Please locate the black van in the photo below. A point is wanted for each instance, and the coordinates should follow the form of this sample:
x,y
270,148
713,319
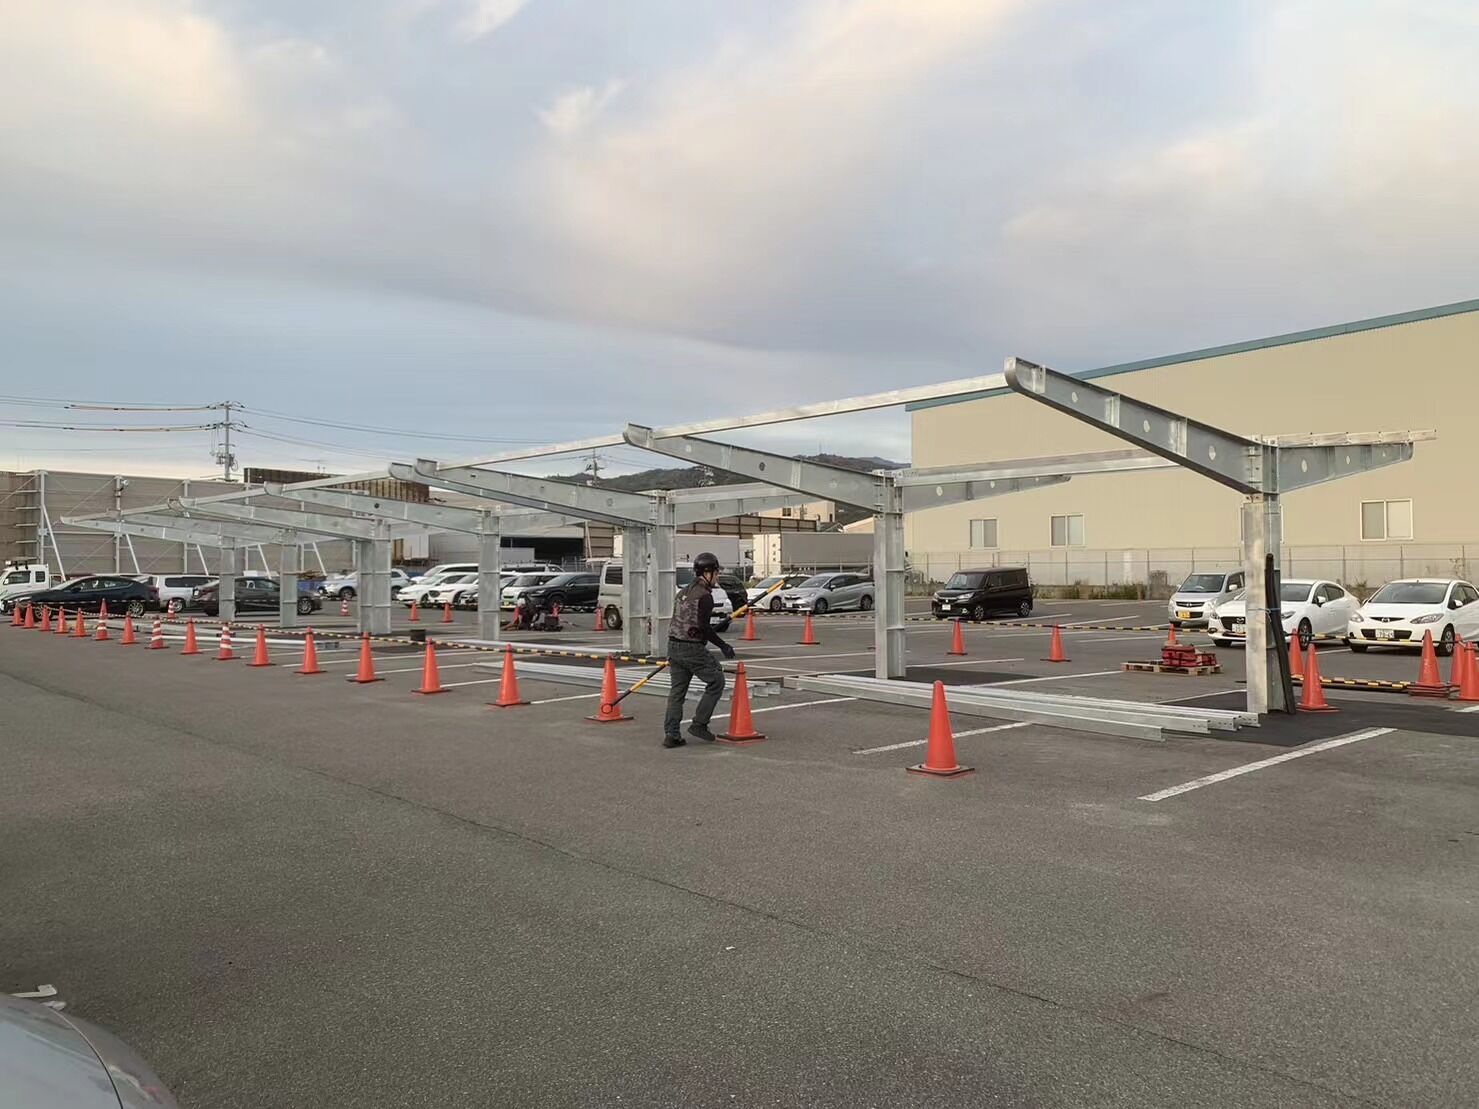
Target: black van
x,y
977,593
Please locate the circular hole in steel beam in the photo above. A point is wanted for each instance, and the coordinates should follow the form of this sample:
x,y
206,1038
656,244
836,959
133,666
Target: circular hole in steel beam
x,y
1211,452
1304,465
761,466
939,490
1145,426
1073,395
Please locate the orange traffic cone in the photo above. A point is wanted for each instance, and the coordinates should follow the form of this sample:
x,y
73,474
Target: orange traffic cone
x,y
600,624
1313,697
939,758
415,614
957,641
1468,689
366,672
1171,635
1460,663
79,629
190,645
61,622
259,656
128,639
310,656
741,728
610,711
224,653
156,636
447,613
508,691
1429,682
1296,657
46,619
343,606
749,636
431,681
808,634
30,620
1055,652
102,633
16,619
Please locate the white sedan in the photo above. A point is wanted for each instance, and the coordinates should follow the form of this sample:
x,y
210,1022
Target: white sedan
x,y
1400,611
512,587
1307,607
450,589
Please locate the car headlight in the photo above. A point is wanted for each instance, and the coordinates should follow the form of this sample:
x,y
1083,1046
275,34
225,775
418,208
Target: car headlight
x,y
1430,618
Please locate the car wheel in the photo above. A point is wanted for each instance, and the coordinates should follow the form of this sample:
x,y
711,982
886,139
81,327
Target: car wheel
x,y
557,599
613,618
819,607
1445,643
978,613
134,608
212,612
775,604
866,604
1306,634
1024,610
1359,648
305,606
346,594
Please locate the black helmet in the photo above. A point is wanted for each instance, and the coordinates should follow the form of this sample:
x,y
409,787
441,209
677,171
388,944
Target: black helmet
x,y
706,562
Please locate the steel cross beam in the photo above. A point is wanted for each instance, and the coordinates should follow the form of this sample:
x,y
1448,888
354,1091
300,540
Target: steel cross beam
x,y
339,527
714,502
1262,468
470,521
564,497
181,529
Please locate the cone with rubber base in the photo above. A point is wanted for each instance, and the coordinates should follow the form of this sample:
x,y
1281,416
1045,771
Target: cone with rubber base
x,y
259,656
1460,662
749,636
957,641
1312,699
1296,657
17,620
1171,640
224,653
600,624
343,606
431,680
128,639
310,657
366,673
1429,682
939,756
610,710
741,728
415,613
191,647
46,619
156,636
447,613
102,632
79,629
808,634
1468,689
1055,649
30,619
508,689
61,622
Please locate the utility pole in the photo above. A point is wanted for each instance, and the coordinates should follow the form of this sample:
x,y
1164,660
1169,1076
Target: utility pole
x,y
224,455
594,469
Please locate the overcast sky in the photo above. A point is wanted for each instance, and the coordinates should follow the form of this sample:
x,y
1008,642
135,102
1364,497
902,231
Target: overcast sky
x,y
535,220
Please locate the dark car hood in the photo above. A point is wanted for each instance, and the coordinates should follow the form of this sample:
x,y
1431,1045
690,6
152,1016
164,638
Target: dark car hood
x,y
951,594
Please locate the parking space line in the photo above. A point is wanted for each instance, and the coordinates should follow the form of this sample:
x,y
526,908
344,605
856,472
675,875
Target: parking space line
x,y
440,666
572,697
969,662
958,735
798,705
1053,678
1199,696
1469,708
794,658
1249,767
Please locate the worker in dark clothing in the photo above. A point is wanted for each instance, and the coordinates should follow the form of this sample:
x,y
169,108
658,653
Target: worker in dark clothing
x,y
688,657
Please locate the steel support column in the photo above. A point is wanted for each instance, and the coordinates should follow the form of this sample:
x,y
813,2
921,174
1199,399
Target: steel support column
x,y
490,586
888,577
226,593
662,573
1263,529
635,592
374,579
290,565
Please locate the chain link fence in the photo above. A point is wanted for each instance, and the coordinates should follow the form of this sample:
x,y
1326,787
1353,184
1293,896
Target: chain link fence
x,y
1156,572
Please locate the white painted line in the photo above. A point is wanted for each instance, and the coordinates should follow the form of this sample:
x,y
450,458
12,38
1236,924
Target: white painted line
x,y
1249,767
798,705
958,735
479,681
794,658
440,666
1125,638
1470,708
1199,696
969,662
1052,678
572,697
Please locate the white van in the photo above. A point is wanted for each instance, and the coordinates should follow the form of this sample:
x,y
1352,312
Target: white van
x,y
608,600
1193,603
21,578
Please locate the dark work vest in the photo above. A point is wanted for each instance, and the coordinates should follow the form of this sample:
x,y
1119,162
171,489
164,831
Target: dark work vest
x,y
685,626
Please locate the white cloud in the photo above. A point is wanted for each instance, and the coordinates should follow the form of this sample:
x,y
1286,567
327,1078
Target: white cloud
x,y
483,17
575,109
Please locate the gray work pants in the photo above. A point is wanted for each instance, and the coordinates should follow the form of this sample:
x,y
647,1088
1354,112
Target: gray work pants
x,y
687,661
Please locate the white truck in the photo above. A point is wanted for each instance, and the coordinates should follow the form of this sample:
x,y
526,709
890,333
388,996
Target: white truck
x,y
19,579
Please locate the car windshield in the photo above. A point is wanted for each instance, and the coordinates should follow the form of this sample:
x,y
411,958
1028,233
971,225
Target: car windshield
x,y
1202,583
770,583
816,582
17,577
527,579
684,576
1411,593
458,579
965,581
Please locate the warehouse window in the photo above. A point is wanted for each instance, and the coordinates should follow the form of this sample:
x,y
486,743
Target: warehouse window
x,y
983,533
1386,519
1068,531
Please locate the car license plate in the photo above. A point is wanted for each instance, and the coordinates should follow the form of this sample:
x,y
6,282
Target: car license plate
x,y
1181,614
1239,625
1385,633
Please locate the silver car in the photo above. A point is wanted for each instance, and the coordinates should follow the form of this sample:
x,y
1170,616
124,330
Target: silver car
x,y
51,1061
830,593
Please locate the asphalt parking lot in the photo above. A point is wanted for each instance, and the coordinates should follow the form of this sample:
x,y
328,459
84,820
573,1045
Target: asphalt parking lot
x,y
289,890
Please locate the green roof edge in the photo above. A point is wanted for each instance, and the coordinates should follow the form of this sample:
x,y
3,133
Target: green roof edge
x,y
1373,324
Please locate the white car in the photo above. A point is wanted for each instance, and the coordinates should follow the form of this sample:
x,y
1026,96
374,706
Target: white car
x,y
176,590
1399,612
345,586
512,587
1308,608
449,590
1194,601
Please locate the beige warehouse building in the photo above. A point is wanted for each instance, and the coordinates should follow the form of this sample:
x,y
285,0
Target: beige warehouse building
x,y
1409,371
